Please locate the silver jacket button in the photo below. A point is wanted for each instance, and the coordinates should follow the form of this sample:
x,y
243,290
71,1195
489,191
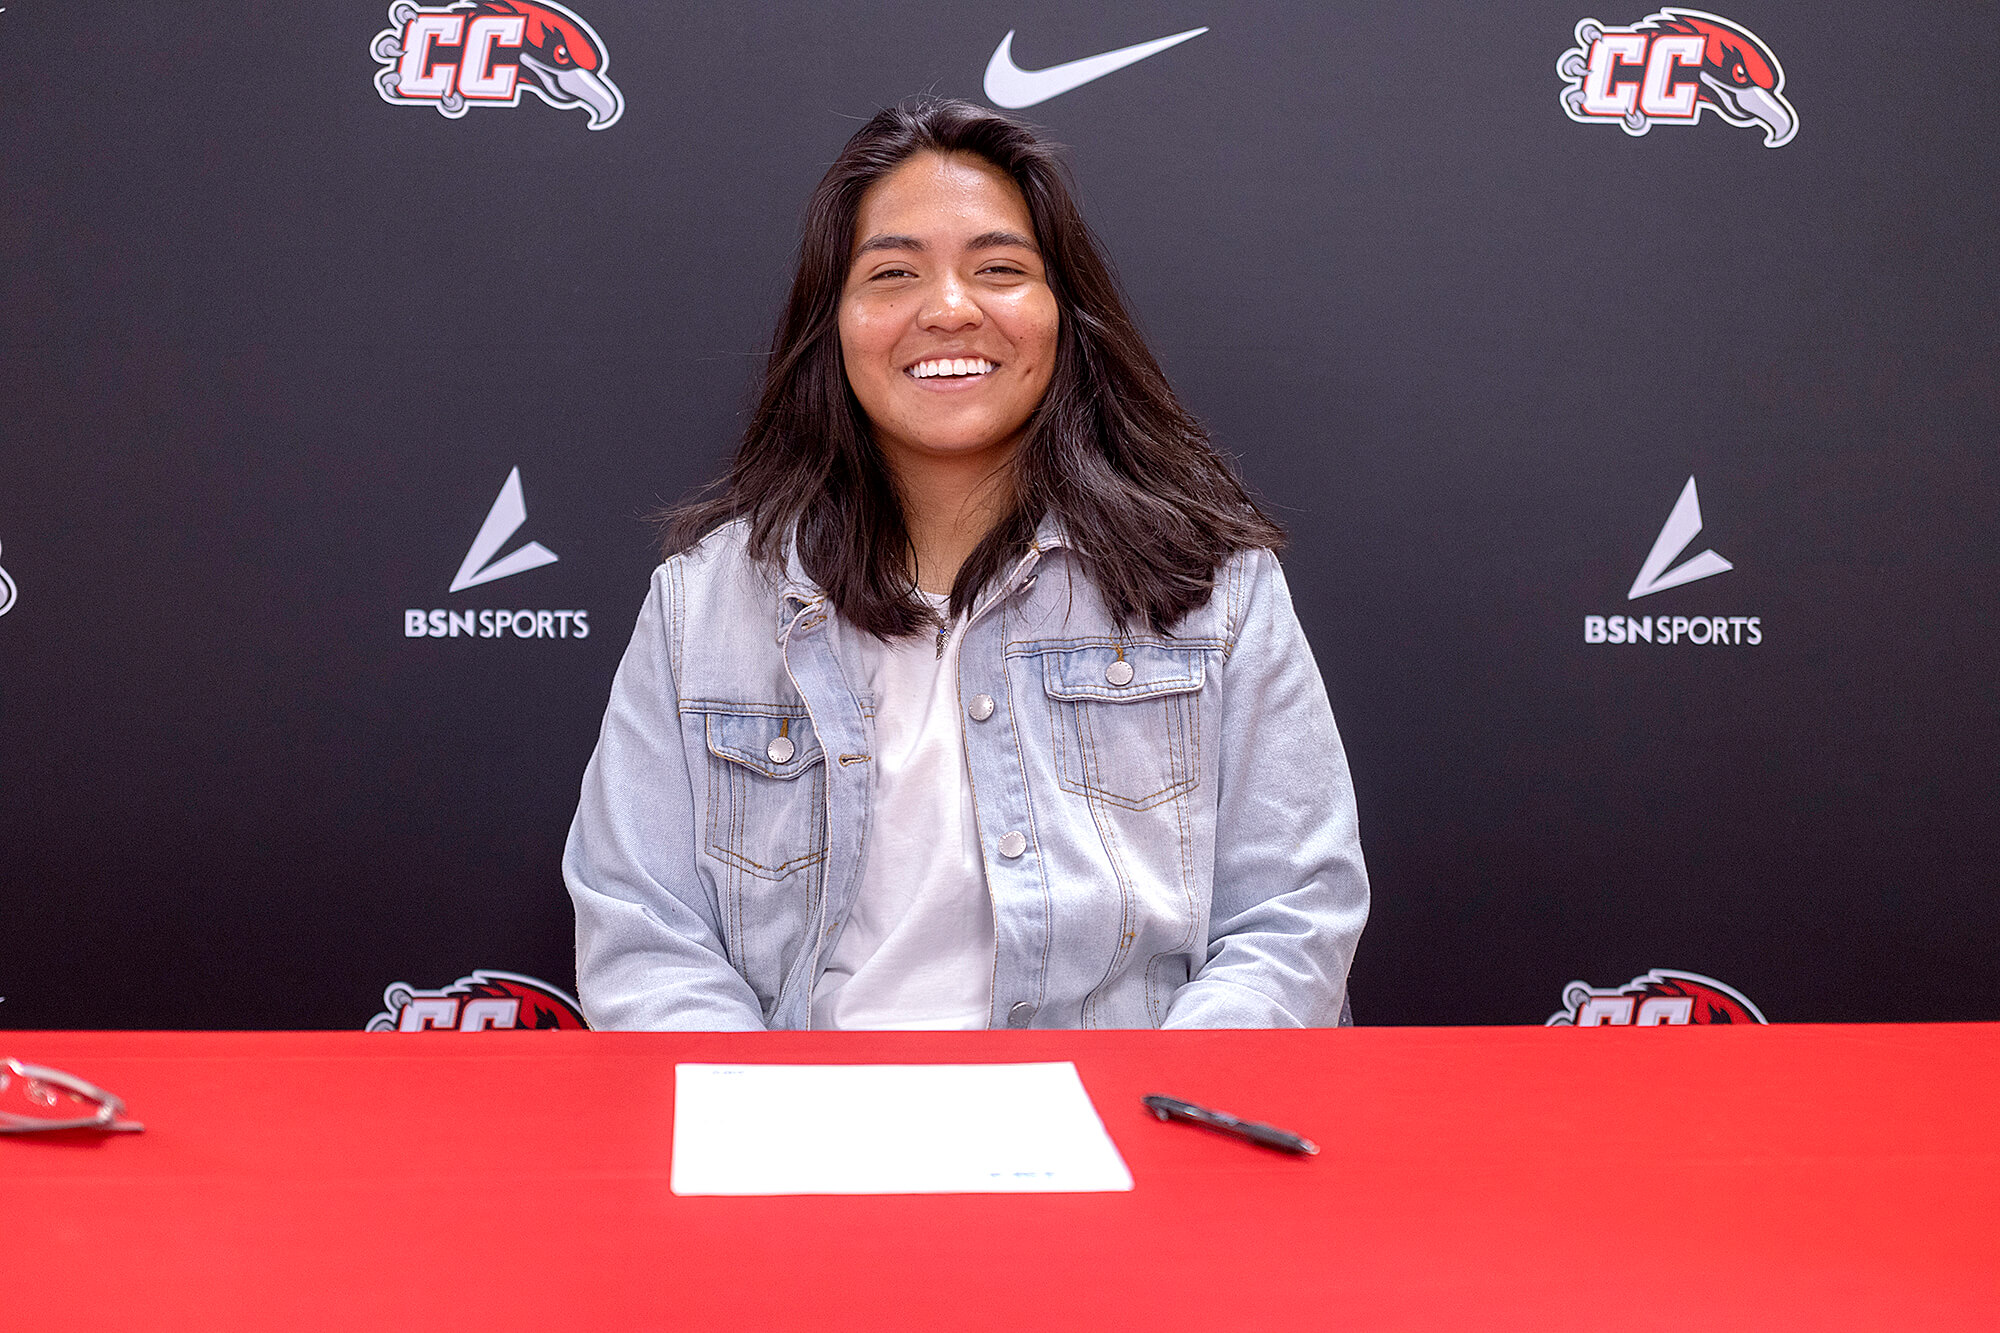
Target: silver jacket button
x,y
1119,672
1021,1015
781,750
982,707
1013,844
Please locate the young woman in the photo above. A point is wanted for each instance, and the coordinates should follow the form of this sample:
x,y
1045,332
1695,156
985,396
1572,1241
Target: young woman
x,y
973,696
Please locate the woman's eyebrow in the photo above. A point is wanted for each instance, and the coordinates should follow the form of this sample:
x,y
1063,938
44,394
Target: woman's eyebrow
x,y
995,240
887,242
986,240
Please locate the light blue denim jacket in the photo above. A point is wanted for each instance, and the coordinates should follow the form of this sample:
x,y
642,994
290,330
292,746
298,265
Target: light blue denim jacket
x,y
1183,844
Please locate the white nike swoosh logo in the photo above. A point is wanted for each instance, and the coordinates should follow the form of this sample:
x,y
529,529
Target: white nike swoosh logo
x,y
1010,86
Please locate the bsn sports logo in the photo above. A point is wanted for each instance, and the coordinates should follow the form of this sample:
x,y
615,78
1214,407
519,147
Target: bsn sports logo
x,y
508,512
1661,998
488,52
484,1001
8,593
1670,67
1681,528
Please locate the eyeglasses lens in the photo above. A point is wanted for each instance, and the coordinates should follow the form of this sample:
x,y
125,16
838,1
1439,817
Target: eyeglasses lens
x,y
27,1102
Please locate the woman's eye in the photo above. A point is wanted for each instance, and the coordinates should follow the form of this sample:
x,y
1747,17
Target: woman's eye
x,y
894,273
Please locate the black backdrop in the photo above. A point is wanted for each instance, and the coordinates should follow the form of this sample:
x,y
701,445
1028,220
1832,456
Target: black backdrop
x,y
272,344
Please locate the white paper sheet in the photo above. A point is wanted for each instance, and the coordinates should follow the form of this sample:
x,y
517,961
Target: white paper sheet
x,y
889,1129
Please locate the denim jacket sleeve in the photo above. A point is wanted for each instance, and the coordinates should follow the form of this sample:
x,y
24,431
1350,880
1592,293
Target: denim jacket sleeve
x,y
649,950
1290,891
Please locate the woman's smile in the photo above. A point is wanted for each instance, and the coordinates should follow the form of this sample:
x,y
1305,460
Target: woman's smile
x,y
951,370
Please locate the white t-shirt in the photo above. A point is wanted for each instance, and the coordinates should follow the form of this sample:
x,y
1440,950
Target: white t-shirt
x,y
917,950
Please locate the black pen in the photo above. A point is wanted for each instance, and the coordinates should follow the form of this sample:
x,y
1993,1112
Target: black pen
x,y
1270,1136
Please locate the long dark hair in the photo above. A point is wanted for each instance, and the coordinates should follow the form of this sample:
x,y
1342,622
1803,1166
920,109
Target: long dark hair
x,y
1148,506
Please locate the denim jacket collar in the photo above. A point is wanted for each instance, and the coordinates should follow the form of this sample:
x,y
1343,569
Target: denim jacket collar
x,y
797,593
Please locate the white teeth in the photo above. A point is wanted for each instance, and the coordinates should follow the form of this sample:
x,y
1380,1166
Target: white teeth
x,y
947,365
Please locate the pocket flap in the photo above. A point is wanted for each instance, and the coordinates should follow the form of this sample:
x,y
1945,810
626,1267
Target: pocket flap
x,y
748,739
1086,673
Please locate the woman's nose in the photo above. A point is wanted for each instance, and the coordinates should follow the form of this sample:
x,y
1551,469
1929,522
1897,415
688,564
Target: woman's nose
x,y
950,307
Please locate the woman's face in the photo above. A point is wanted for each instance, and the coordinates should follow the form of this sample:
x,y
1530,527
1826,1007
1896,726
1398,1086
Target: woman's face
x,y
947,323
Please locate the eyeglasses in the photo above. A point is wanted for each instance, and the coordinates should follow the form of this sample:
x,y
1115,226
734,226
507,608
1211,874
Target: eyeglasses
x,y
35,1099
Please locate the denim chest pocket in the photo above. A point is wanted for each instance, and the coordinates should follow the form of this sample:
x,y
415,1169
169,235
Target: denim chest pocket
x,y
1127,721
767,791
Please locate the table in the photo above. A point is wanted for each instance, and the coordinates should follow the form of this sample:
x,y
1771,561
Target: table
x,y
1498,1178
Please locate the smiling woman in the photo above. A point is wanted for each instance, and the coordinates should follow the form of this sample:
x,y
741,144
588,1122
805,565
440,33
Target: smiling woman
x,y
948,335
972,695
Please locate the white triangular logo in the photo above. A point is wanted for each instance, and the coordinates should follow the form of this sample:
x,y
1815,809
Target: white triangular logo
x,y
1682,525
508,513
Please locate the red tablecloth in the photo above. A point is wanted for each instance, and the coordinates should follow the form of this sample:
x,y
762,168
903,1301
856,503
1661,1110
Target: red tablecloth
x,y
1787,1177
